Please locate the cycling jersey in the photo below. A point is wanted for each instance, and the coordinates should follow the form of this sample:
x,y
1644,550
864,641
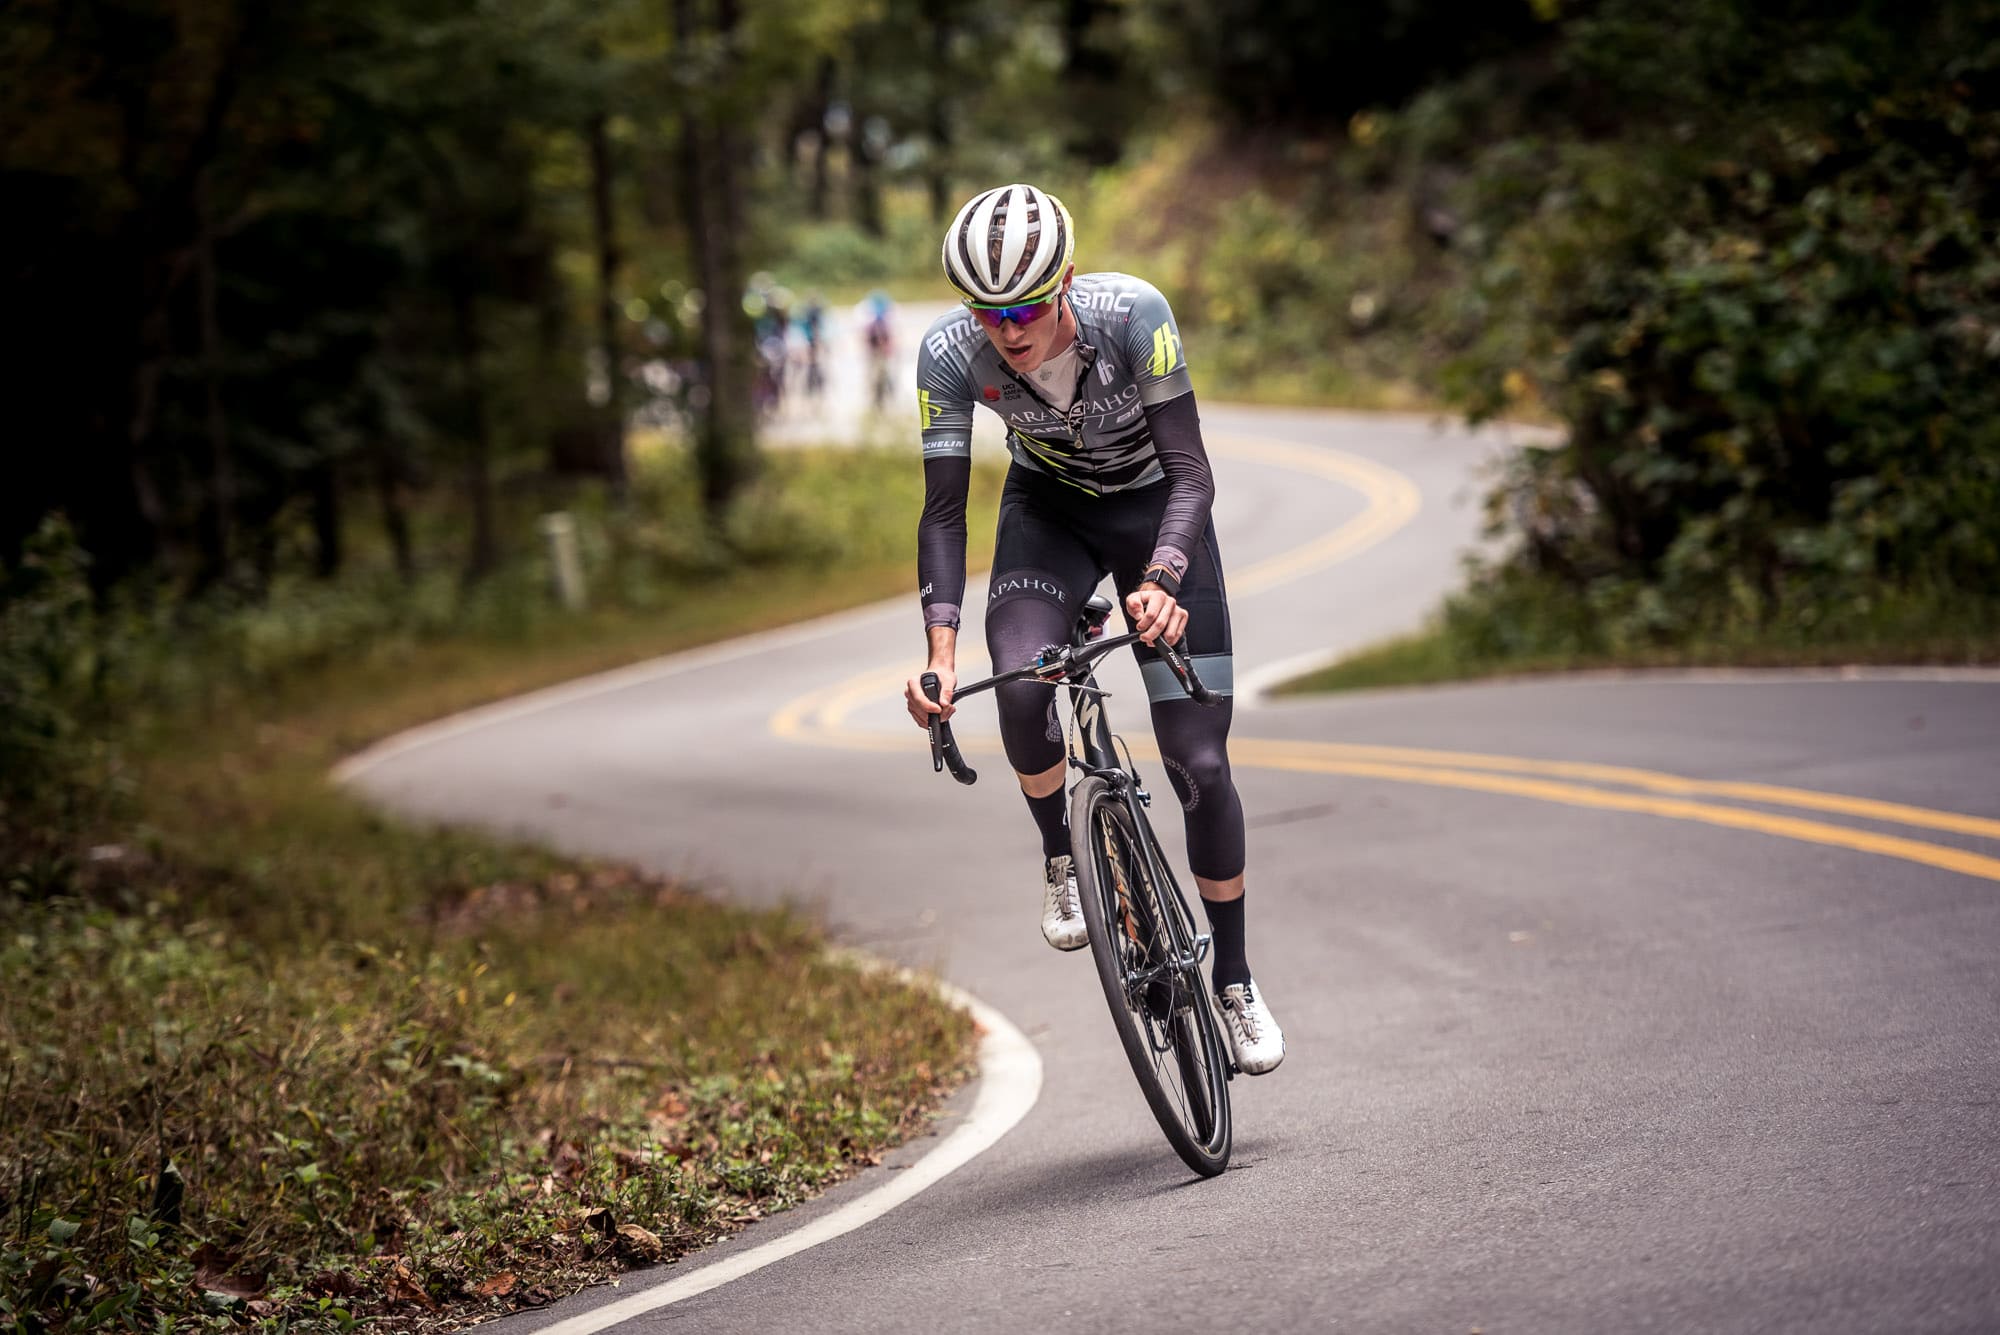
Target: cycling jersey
x,y
1121,430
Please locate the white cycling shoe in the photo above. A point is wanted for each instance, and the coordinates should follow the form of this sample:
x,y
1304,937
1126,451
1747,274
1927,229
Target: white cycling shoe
x,y
1254,1037
1062,912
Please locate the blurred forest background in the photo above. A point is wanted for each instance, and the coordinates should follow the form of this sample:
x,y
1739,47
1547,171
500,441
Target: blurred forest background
x,y
315,307
326,291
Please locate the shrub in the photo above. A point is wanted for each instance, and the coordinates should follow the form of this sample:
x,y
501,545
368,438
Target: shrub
x,y
1773,341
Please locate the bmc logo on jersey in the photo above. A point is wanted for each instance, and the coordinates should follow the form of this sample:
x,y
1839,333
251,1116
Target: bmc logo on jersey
x,y
1113,303
942,341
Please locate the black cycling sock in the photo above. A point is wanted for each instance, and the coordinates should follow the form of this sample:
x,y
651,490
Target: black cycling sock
x,y
1225,920
1051,815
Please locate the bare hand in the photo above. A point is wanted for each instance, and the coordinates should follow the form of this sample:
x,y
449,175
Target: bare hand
x,y
1153,611
921,706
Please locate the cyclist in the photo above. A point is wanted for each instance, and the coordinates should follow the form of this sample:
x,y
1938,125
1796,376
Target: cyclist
x,y
1109,476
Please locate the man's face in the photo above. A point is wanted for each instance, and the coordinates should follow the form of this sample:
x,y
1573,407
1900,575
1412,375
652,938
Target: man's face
x,y
1026,346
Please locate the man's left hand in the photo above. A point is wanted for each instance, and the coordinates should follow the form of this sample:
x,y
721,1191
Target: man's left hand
x,y
1154,612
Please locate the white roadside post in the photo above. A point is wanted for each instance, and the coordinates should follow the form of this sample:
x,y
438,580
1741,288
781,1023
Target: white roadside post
x,y
565,566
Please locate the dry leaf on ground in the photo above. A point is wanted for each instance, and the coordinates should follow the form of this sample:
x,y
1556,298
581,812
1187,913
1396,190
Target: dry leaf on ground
x,y
638,1242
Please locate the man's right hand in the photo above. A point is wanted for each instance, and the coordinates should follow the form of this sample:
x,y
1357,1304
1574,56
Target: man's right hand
x,y
920,706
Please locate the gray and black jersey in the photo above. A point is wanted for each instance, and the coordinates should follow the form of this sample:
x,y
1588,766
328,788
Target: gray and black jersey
x,y
1131,425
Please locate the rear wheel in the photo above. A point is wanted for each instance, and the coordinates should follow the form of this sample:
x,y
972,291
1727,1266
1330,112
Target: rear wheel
x,y
1153,986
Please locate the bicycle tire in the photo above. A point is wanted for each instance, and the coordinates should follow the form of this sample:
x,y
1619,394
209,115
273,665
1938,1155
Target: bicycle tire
x,y
1107,848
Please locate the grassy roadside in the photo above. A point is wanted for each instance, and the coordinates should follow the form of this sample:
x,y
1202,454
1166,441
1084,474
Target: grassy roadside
x,y
276,1061
1476,636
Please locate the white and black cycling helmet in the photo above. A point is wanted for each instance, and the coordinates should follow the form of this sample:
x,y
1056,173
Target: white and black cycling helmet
x,y
1009,246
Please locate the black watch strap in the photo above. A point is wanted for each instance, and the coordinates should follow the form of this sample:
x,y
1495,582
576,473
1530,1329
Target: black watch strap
x,y
1163,577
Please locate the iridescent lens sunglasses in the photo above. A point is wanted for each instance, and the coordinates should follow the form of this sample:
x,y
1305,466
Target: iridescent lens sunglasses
x,y
1025,314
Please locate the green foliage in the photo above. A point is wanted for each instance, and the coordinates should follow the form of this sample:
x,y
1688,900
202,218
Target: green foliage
x,y
275,1061
1772,343
71,662
1743,254
1305,63
843,257
195,1133
47,663
1512,620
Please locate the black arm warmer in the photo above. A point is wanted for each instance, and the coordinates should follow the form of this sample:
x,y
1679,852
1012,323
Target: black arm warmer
x,y
941,538
1176,428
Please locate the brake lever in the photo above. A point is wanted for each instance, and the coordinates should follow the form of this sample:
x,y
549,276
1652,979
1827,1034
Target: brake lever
x,y
944,747
1178,664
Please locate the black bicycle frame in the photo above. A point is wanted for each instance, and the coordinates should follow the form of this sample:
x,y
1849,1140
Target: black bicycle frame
x,y
1100,758
1073,665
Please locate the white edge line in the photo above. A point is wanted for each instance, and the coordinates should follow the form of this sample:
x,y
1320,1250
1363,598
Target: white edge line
x,y
1010,1080
602,683
1255,687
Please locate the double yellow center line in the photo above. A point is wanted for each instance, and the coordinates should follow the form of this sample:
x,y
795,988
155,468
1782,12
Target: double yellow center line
x,y
821,718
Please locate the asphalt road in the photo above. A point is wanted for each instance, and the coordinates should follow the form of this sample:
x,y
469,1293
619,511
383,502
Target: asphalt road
x,y
1602,1013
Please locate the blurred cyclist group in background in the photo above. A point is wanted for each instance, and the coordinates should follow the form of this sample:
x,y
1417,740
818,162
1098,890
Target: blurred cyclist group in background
x,y
792,339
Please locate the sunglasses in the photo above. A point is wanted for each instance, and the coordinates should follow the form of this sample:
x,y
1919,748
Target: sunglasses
x,y
995,316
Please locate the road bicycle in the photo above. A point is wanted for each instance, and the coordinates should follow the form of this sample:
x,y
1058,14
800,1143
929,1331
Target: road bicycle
x,y
1142,936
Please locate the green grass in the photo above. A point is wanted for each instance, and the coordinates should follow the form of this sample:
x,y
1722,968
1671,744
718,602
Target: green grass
x,y
276,1060
1478,638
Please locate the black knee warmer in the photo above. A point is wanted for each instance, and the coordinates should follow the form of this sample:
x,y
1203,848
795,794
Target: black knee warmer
x,y
1194,745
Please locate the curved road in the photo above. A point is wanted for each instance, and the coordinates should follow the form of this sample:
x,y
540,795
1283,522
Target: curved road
x,y
1612,1004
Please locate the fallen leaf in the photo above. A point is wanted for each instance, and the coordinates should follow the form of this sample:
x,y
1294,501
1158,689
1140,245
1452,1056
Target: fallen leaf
x,y
638,1242
596,1218
216,1279
400,1286
499,1286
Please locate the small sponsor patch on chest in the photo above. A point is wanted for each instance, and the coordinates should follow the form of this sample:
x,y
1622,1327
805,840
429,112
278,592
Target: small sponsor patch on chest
x,y
991,393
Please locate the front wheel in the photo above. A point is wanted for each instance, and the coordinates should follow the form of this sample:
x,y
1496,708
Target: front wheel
x,y
1141,941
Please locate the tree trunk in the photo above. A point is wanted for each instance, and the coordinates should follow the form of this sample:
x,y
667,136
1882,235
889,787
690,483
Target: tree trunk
x,y
1091,71
822,138
219,499
867,181
327,549
611,423
395,523
725,443
151,347
164,232
484,552
937,113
